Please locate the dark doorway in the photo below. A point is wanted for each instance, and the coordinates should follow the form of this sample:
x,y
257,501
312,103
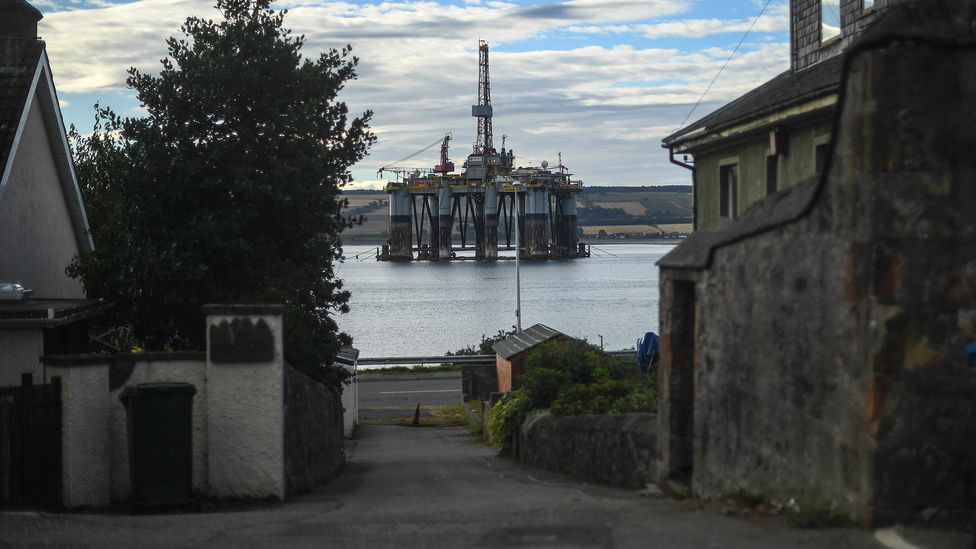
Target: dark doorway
x,y
30,445
682,383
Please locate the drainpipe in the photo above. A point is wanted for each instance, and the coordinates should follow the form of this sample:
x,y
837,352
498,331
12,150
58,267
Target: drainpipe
x,y
694,185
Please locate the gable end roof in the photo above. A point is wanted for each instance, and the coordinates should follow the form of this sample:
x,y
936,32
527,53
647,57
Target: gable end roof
x,y
18,90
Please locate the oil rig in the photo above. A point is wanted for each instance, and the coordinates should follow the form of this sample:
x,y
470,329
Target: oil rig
x,y
427,205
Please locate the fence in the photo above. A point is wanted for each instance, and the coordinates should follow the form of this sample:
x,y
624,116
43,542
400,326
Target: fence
x,y
30,445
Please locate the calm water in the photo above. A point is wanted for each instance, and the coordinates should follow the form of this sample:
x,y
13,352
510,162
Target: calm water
x,y
423,308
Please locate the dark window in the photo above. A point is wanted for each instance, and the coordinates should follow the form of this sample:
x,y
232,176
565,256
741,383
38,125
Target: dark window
x,y
820,157
729,188
772,174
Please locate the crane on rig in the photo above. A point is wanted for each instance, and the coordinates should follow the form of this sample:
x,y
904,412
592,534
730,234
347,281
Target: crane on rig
x,y
445,165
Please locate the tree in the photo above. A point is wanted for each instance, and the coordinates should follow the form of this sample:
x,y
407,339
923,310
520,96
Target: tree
x,y
227,191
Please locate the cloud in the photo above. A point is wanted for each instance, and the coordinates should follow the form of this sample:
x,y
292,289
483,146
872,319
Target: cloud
x,y
605,106
775,19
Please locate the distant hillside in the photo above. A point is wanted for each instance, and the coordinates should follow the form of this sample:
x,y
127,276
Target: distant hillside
x,y
669,204
601,211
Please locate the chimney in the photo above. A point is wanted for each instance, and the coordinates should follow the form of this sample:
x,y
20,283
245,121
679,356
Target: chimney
x,y
18,31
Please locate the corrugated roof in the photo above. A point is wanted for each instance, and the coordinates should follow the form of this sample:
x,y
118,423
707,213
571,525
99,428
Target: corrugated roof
x,y
529,338
348,356
786,89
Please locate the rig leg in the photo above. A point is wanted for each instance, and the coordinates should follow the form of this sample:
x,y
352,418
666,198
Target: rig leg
x,y
491,222
537,223
401,234
445,227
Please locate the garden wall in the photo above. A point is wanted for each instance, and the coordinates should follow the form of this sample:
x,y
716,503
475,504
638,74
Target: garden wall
x,y
614,449
313,433
260,429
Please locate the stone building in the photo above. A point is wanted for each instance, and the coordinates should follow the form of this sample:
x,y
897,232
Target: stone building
x,y
814,351
777,134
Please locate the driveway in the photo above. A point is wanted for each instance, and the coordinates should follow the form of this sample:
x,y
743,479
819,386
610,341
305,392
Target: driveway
x,y
434,487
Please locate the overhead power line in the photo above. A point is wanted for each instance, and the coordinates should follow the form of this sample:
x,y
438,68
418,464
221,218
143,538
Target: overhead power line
x,y
727,61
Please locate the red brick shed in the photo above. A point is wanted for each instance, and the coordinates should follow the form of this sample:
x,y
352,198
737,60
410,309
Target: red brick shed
x,y
510,353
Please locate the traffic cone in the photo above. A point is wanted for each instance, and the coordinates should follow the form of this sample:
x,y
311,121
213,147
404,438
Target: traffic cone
x,y
416,416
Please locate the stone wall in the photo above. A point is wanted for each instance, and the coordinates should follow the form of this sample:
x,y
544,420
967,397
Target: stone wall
x,y
829,324
611,449
313,433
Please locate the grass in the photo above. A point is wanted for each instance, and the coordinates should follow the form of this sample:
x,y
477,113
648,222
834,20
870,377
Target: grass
x,y
452,415
676,227
591,230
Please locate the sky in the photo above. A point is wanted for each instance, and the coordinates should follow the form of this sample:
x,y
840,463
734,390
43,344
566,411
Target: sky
x,y
600,81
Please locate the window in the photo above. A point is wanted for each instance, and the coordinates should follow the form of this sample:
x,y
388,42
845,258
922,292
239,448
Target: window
x,y
868,4
772,174
829,19
728,189
820,157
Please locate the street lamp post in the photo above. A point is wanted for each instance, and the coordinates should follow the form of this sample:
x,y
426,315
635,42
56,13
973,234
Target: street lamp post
x,y
518,281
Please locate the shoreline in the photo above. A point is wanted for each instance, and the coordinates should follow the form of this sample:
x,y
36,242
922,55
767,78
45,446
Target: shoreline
x,y
607,242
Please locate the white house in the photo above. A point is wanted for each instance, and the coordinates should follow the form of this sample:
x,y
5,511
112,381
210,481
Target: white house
x,y
42,218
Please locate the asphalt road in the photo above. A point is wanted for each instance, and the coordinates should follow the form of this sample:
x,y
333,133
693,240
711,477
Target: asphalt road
x,y
386,397
432,488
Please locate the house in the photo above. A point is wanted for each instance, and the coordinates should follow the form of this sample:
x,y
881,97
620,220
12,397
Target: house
x,y
814,352
510,354
42,218
777,134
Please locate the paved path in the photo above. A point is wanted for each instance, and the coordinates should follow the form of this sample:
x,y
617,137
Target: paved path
x,y
427,487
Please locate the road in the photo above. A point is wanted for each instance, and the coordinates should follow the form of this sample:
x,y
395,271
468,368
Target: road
x,y
383,396
437,487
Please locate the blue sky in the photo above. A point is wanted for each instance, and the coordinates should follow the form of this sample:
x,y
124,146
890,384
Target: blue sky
x,y
601,81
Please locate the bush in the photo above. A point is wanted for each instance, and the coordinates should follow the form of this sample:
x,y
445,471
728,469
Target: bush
x,y
504,419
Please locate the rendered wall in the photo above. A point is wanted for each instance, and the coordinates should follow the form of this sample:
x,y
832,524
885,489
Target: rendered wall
x,y
795,166
245,411
239,415
86,445
19,350
153,370
37,238
350,404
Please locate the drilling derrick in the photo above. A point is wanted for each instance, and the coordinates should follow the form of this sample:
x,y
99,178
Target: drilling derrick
x,y
482,110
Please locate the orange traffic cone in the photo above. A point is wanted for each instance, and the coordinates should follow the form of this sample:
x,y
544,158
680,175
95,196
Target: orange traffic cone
x,y
416,416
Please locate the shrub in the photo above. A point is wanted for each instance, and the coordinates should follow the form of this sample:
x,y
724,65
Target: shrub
x,y
505,417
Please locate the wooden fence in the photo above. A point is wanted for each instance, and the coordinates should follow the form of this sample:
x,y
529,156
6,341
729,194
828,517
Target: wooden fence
x,y
30,445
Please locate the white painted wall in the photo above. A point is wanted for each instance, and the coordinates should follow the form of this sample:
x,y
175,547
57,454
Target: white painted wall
x,y
37,238
246,421
19,353
85,439
169,371
350,403
238,425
